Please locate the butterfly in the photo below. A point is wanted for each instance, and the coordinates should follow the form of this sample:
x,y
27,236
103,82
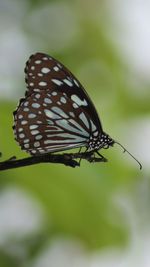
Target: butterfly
x,y
56,113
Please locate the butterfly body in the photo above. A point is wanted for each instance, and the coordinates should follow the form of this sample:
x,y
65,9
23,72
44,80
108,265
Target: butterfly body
x,y
56,113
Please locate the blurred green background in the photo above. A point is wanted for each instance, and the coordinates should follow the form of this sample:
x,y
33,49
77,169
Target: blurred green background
x,y
98,214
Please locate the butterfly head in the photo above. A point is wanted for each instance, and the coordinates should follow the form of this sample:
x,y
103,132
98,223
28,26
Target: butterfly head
x,y
102,141
105,141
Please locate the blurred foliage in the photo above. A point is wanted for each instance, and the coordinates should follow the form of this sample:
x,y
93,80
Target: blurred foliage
x,y
73,198
79,203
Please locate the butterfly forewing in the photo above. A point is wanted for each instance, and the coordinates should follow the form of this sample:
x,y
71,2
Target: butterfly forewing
x,y
56,113
44,72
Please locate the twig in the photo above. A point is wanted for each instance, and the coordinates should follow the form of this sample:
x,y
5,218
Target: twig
x,y
66,159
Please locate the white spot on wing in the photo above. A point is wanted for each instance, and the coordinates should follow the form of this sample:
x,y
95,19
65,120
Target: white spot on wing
x,y
38,62
96,133
72,114
58,82
21,135
35,105
36,144
50,123
69,83
37,95
60,112
59,65
78,101
26,145
76,83
31,115
63,100
31,84
45,58
45,70
54,93
42,83
51,114
26,109
75,105
33,151
26,103
20,117
24,122
56,68
26,141
32,127
38,137
47,100
36,90
84,120
20,130
93,126
34,132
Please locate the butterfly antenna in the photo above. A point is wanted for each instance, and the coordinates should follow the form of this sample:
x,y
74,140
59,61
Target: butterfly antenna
x,y
125,150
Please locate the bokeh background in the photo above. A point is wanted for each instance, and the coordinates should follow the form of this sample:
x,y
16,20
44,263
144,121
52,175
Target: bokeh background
x,y
98,214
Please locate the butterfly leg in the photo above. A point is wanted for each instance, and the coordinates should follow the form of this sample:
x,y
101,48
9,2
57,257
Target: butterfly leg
x,y
92,157
79,153
102,158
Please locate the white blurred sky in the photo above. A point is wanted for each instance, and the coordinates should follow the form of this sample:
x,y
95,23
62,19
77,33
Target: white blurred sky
x,y
131,32
20,215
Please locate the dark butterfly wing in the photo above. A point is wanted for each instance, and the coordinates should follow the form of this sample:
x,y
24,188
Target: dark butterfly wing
x,y
56,113
44,72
